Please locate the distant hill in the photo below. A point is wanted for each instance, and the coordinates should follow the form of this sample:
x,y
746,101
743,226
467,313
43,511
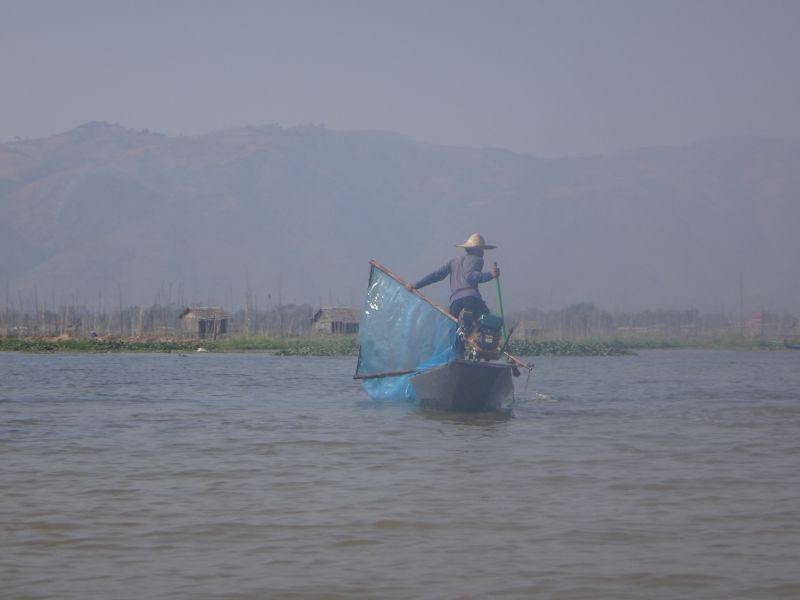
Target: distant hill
x,y
293,215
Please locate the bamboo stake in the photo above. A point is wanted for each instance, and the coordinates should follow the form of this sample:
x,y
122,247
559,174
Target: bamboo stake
x,y
387,374
414,291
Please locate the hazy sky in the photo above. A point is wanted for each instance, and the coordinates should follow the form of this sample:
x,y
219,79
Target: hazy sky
x,y
546,78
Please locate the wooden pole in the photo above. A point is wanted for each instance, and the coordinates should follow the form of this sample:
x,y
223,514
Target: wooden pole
x,y
414,291
387,374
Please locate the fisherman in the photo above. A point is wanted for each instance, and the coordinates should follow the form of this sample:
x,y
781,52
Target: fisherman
x,y
466,272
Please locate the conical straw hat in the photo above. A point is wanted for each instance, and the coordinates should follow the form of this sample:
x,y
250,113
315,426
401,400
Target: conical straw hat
x,y
476,241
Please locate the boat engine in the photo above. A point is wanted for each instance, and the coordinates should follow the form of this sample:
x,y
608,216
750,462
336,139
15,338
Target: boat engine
x,y
481,338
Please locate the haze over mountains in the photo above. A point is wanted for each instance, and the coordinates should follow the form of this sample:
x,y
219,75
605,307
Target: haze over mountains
x,y
296,214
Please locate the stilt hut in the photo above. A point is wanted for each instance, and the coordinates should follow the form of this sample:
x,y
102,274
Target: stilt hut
x,y
336,320
205,322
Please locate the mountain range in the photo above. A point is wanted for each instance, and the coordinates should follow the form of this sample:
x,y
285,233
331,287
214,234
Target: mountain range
x,y
102,212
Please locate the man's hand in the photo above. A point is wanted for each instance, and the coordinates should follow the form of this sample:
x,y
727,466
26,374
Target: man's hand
x,y
410,287
495,271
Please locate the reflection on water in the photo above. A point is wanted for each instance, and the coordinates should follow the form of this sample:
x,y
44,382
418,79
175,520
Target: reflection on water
x,y
487,420
667,475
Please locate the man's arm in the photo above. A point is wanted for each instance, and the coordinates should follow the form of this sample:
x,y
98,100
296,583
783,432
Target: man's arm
x,y
475,277
437,275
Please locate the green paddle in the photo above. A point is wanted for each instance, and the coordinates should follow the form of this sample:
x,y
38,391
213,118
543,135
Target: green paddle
x,y
503,335
500,307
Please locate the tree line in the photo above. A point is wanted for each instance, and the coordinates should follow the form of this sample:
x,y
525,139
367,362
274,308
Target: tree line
x,y
574,323
155,321
585,321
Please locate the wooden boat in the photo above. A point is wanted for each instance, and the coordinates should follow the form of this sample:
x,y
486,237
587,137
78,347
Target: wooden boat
x,y
464,386
407,350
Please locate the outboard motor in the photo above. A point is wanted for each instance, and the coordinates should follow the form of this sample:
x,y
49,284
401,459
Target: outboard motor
x,y
480,339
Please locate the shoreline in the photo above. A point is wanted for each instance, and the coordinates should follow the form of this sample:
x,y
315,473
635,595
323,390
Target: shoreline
x,y
348,345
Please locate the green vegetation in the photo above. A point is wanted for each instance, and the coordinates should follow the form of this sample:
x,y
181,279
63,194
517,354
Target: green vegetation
x,y
720,342
332,346
93,345
525,348
348,345
621,347
340,345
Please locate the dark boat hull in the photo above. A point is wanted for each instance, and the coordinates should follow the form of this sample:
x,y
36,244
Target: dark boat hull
x,y
464,386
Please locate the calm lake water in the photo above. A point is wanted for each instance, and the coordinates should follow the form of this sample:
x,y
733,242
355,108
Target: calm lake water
x,y
672,474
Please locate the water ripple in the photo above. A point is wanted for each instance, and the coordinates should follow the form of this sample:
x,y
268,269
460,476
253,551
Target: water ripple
x,y
665,475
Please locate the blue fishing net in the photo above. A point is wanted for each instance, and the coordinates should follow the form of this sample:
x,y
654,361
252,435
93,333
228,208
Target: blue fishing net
x,y
399,333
